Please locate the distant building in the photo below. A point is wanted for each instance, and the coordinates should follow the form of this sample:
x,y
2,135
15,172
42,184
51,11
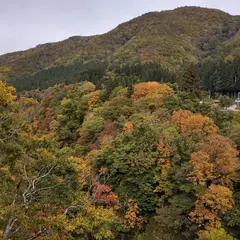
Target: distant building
x,y
237,100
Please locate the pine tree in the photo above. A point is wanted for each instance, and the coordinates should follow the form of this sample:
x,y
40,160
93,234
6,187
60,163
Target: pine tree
x,y
189,80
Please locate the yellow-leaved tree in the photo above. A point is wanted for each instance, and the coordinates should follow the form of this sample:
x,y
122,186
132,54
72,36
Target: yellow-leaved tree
x,y
153,92
188,122
215,161
216,200
6,95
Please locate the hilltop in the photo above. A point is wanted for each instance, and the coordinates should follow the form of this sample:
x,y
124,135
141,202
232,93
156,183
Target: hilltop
x,y
169,38
115,136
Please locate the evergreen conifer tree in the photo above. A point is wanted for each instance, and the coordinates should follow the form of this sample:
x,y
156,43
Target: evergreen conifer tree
x,y
189,80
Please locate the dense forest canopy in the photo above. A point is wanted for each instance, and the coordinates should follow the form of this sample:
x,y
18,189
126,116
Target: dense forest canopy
x,y
145,161
115,136
216,75
168,39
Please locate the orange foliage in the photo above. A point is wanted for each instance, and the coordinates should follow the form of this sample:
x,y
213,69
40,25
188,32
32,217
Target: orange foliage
x,y
128,128
45,124
48,99
203,168
164,148
216,160
153,91
216,200
164,165
103,170
94,99
144,88
109,132
132,218
188,122
103,194
76,159
60,180
112,200
34,125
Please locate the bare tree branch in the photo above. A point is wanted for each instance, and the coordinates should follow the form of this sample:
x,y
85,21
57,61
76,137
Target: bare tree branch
x,y
32,189
8,230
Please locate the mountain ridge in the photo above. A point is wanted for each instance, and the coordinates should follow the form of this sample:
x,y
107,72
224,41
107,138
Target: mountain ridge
x,y
169,38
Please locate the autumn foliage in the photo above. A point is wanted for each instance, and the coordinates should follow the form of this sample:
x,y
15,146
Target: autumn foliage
x,y
86,164
132,218
214,162
153,91
94,99
103,193
6,94
213,166
209,205
188,122
164,148
128,128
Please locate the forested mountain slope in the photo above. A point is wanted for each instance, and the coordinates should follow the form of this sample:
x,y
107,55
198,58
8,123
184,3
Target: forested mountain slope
x,y
231,49
147,162
113,136
169,38
43,56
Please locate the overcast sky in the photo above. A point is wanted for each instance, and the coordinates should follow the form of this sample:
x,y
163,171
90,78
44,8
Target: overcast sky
x,y
26,23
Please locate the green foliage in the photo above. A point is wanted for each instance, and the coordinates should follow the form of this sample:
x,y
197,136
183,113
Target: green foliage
x,y
130,166
119,91
189,80
75,101
225,101
115,148
114,109
148,155
167,223
219,75
95,222
169,38
218,234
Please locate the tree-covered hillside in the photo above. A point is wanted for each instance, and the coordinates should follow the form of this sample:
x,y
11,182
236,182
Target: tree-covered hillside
x,y
168,38
25,63
146,161
115,137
